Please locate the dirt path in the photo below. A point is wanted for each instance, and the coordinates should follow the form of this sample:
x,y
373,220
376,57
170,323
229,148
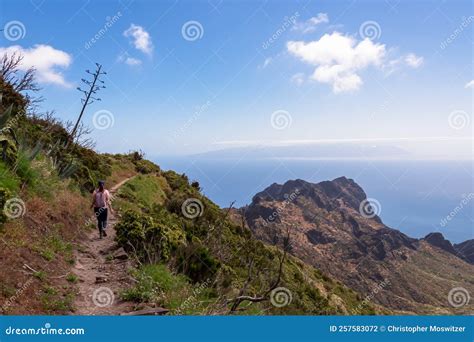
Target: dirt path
x,y
102,272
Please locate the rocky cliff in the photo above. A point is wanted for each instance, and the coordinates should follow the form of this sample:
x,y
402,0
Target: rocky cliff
x,y
336,228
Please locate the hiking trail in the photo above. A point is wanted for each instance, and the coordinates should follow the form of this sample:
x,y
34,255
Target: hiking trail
x,y
102,270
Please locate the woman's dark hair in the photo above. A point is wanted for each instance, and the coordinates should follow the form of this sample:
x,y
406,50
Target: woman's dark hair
x,y
101,184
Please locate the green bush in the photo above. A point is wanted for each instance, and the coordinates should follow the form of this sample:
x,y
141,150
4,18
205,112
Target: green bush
x,y
196,261
176,181
8,180
4,196
144,191
156,284
152,281
146,167
151,238
24,169
70,160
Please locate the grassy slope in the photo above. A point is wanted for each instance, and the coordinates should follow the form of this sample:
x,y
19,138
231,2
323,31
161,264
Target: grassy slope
x,y
43,240
196,263
56,216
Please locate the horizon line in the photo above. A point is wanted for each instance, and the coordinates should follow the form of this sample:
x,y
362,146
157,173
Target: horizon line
x,y
335,141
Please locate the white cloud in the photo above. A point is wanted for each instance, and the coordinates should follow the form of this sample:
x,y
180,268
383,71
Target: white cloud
x,y
141,38
320,18
469,84
267,62
45,59
132,61
125,58
338,59
413,60
298,79
310,25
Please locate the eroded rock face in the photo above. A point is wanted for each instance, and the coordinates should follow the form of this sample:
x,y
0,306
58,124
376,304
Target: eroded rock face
x,y
438,240
466,249
329,231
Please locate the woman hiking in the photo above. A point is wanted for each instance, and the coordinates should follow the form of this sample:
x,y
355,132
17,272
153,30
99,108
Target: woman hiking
x,y
101,203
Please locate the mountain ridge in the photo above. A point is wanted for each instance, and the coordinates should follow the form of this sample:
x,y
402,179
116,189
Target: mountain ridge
x,y
336,227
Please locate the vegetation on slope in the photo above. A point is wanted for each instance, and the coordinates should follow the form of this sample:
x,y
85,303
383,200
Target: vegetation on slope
x,y
192,258
44,200
204,250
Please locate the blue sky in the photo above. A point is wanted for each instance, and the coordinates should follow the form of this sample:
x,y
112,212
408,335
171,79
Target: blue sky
x,y
257,72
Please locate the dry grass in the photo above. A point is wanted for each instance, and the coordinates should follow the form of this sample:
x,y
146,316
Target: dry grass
x,y
44,240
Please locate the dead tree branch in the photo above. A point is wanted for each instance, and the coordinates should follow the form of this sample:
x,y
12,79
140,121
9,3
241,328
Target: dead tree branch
x,y
242,297
89,94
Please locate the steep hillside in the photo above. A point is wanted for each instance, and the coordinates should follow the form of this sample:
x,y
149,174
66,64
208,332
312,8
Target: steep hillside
x,y
46,219
187,244
336,230
191,257
466,249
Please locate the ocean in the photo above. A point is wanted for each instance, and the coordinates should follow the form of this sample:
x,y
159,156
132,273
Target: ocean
x,y
416,197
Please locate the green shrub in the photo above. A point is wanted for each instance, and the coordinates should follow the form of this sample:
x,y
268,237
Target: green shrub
x,y
176,181
71,161
72,278
144,191
8,180
152,281
4,196
151,238
8,146
41,275
24,169
156,284
54,301
146,167
196,261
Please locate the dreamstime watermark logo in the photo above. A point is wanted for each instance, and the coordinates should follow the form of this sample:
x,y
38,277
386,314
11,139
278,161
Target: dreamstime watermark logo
x,y
109,22
287,23
47,329
459,119
14,208
370,29
102,297
280,297
281,119
458,297
370,207
452,37
192,208
379,287
192,300
192,30
463,203
14,30
103,119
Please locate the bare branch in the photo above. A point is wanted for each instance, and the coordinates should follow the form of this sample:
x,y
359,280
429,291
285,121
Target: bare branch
x,y
88,99
263,296
10,72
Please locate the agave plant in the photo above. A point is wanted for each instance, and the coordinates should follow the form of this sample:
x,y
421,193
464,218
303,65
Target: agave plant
x,y
8,140
5,117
